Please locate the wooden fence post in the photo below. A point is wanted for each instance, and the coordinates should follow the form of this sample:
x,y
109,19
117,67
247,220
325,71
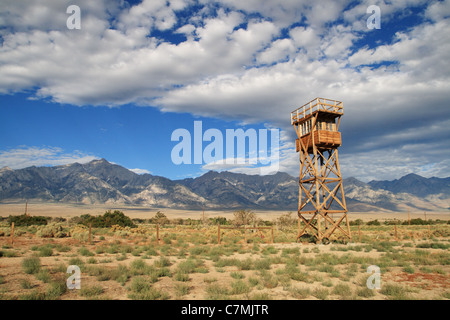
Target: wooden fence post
x,y
395,231
272,234
90,232
245,235
218,234
359,232
157,233
12,233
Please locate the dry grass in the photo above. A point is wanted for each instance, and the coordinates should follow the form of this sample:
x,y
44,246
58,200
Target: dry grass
x,y
187,263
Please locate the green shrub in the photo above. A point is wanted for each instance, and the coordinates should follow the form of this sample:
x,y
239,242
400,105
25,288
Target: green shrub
x,y
25,284
268,279
56,289
76,262
321,294
181,289
45,251
433,245
409,269
138,266
120,274
357,222
26,220
246,264
227,262
85,252
181,276
52,230
253,281
269,250
9,254
239,287
91,260
159,218
237,275
139,284
342,290
61,248
141,289
91,291
31,265
374,223
417,221
34,295
365,293
394,291
162,262
262,264
216,291
300,293
107,220
43,275
261,296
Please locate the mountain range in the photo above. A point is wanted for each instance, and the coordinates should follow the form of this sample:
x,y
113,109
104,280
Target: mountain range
x,y
102,182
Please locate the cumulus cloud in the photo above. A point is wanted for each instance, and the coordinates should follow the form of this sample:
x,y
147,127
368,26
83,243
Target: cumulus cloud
x,y
24,156
140,171
270,160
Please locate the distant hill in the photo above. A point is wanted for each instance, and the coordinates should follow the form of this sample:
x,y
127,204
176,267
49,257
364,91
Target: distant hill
x,y
95,182
101,182
416,185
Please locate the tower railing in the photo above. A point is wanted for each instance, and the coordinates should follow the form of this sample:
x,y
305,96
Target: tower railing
x,y
317,104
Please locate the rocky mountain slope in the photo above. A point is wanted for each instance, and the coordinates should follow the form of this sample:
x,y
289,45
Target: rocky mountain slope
x,y
100,181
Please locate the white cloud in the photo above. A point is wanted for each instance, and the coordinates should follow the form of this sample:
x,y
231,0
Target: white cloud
x,y
140,171
259,163
23,157
438,10
305,37
393,163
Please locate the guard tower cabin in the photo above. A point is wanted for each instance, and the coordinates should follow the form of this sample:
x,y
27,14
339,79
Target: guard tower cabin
x,y
321,194
317,123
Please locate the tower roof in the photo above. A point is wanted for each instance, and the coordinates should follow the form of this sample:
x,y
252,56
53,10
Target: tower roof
x,y
333,108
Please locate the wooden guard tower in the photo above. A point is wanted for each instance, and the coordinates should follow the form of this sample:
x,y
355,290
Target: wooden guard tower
x,y
321,206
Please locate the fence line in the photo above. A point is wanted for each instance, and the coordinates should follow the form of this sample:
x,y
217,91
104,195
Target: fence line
x,y
394,232
219,228
12,233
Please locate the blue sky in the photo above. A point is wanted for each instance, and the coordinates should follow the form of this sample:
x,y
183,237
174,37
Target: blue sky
x,y
137,70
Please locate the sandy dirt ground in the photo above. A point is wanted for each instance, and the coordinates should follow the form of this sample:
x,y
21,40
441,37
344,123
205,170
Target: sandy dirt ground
x,y
423,285
430,280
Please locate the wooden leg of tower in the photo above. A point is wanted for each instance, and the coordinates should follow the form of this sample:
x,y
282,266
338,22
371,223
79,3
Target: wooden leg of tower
x,y
319,234
307,223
